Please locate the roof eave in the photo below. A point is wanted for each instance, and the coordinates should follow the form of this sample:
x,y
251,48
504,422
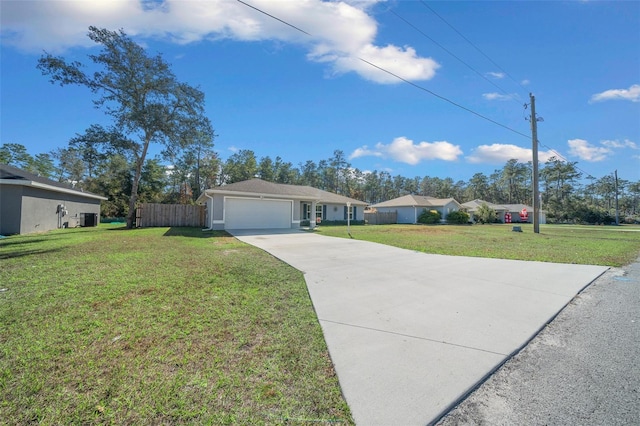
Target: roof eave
x,y
317,198
18,182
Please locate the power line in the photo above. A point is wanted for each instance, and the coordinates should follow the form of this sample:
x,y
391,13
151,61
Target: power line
x,y
589,175
400,78
447,100
275,17
557,154
473,45
561,157
451,53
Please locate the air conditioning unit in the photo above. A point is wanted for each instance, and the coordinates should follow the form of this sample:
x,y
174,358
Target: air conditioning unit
x,y
88,219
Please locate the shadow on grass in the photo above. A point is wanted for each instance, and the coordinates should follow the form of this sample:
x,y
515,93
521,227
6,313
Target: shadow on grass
x,y
22,253
21,241
179,231
35,238
193,233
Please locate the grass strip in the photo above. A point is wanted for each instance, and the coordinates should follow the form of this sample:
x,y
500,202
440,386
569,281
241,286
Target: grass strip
x,y
587,245
158,326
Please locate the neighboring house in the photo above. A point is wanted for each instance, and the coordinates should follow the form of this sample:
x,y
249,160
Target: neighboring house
x,y
258,204
501,209
472,207
409,207
515,210
31,203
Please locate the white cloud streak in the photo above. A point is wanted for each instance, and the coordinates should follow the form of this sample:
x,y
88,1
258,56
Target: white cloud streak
x,y
501,153
617,144
404,150
342,32
494,96
496,75
631,94
586,151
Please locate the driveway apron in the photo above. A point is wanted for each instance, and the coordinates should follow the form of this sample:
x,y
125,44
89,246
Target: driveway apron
x,y
410,333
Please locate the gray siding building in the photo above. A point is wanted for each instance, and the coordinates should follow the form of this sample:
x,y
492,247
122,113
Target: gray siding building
x,y
31,203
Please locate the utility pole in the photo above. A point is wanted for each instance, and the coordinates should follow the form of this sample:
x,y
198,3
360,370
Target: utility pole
x,y
534,143
616,188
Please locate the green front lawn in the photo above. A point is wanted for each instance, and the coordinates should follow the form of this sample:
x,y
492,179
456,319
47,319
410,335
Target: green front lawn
x,y
589,245
158,326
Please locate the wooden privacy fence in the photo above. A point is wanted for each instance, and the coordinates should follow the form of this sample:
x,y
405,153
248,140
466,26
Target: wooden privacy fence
x,y
151,214
381,218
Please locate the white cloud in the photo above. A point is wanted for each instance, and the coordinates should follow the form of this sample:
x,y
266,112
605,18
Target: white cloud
x,y
498,97
364,151
631,94
587,152
525,82
405,150
617,144
496,75
341,32
402,62
233,149
501,153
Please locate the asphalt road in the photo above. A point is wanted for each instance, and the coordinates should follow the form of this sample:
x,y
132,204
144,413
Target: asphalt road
x,y
583,368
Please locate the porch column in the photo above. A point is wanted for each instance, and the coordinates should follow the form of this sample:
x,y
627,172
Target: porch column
x,y
312,216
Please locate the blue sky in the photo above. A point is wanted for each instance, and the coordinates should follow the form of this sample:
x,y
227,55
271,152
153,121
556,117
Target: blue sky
x,y
279,92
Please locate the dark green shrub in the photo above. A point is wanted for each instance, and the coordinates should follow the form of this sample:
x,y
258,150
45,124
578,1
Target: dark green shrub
x,y
429,217
340,222
458,217
485,214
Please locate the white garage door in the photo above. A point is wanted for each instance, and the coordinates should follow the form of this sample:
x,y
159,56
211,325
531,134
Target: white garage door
x,y
252,213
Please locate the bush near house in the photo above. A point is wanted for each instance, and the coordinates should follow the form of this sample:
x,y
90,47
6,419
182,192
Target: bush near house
x,y
429,217
458,217
485,214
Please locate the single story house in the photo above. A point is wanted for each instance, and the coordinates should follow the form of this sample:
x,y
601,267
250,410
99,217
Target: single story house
x,y
258,204
409,207
502,209
31,203
472,207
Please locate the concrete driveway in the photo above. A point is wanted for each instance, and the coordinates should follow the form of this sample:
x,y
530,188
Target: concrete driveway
x,y
409,333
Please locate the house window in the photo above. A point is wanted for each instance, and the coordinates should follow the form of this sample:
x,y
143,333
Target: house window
x,y
319,212
350,212
306,211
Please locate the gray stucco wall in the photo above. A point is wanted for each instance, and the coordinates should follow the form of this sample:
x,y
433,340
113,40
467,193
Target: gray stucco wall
x,y
297,211
218,207
40,209
10,209
25,209
335,212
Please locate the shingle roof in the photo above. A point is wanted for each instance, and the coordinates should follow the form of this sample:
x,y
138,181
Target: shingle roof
x,y
517,207
415,201
475,204
259,186
13,174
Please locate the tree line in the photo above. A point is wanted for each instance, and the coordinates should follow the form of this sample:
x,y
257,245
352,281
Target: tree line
x,y
565,195
148,105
